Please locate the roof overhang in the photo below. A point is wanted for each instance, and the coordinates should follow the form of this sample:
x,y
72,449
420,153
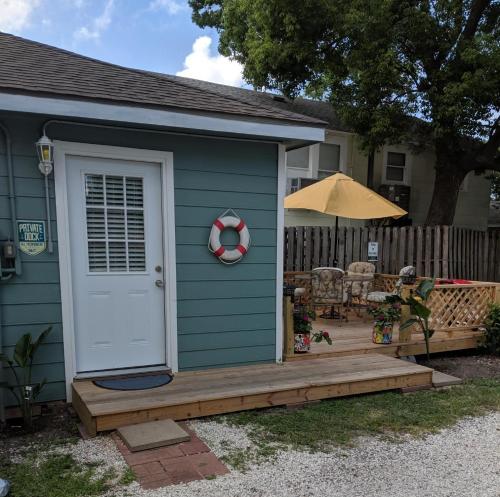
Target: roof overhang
x,y
174,120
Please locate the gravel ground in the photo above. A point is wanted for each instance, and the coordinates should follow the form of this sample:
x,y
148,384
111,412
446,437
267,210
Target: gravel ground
x,y
461,461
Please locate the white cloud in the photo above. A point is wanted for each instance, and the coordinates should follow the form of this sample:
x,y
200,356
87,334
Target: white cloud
x,y
171,6
199,64
98,25
15,15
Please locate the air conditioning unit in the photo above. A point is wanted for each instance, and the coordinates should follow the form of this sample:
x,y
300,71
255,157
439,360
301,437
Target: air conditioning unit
x,y
397,194
296,184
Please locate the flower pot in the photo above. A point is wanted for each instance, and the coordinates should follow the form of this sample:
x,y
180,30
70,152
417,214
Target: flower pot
x,y
302,343
382,333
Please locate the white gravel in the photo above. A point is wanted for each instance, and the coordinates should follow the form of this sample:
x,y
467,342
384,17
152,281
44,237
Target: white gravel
x,y
460,461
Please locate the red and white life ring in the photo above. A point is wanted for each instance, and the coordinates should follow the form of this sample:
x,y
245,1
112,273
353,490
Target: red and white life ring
x,y
215,246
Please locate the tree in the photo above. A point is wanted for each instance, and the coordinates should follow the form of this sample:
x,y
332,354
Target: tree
x,y
423,71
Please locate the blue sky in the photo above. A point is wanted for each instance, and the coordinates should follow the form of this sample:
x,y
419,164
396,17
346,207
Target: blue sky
x,y
157,35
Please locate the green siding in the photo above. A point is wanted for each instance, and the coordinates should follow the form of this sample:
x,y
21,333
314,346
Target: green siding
x,y
226,314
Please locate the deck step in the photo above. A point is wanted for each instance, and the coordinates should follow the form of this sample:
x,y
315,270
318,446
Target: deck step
x,y
444,380
217,391
152,435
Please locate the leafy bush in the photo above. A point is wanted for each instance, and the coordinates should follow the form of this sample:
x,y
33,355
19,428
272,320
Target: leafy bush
x,y
491,342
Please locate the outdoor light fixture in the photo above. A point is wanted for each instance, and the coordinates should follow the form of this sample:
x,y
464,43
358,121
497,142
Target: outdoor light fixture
x,y
45,151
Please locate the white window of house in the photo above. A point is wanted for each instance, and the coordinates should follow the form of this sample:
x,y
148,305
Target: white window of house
x,y
396,168
329,159
298,158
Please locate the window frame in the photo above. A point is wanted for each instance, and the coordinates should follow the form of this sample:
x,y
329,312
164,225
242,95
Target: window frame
x,y
406,168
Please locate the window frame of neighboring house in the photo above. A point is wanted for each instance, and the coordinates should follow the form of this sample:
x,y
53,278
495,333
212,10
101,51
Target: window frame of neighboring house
x,y
406,168
312,171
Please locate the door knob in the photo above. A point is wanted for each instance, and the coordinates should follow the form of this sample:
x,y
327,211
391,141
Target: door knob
x,y
160,283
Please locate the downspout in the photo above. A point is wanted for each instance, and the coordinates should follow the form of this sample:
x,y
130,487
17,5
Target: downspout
x,y
17,268
12,195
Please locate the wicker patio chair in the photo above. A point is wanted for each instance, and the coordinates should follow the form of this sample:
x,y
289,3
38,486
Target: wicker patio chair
x,y
327,287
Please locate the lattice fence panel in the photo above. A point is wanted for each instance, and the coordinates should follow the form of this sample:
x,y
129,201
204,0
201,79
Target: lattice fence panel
x,y
459,307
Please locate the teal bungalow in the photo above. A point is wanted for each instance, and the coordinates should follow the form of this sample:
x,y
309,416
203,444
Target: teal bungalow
x,y
111,179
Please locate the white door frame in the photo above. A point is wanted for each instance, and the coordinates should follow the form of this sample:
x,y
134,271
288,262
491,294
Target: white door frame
x,y
165,159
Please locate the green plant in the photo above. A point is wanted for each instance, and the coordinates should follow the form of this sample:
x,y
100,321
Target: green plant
x,y
386,313
302,321
419,311
24,390
319,336
491,341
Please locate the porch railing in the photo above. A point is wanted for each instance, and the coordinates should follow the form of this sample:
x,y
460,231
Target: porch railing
x,y
454,307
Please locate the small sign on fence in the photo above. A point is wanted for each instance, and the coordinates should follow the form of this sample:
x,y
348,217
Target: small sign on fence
x,y
372,251
31,237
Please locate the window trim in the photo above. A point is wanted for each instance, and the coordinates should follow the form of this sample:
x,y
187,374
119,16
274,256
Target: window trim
x,y
406,169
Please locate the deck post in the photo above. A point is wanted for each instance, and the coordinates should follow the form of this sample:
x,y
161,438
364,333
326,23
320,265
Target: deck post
x,y
405,335
288,338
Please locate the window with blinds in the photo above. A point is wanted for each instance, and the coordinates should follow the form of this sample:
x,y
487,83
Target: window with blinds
x,y
115,223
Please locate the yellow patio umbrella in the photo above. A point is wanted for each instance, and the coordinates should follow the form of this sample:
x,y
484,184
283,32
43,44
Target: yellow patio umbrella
x,y
340,195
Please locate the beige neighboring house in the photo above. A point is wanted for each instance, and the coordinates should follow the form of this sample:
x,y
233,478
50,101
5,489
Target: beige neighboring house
x,y
400,174
404,174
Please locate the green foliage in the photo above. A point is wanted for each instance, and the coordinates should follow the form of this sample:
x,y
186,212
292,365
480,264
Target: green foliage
x,y
491,342
55,476
25,391
302,320
420,313
382,64
340,421
321,336
386,313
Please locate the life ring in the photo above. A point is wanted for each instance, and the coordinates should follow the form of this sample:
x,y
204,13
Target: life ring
x,y
215,246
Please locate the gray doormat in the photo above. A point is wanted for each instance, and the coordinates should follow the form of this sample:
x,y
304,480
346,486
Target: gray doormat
x,y
143,382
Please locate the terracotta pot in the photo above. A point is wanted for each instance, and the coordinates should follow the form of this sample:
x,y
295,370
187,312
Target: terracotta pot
x,y
382,333
302,343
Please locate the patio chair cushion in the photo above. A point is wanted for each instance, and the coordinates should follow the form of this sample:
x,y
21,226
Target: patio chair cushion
x,y
378,296
327,286
361,268
361,288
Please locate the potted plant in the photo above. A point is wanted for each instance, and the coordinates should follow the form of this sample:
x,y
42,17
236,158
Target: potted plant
x,y
385,315
302,327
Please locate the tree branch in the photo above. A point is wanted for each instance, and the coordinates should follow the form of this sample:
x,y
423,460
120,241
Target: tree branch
x,y
476,11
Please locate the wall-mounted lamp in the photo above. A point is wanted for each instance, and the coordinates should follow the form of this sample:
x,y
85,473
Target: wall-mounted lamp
x,y
45,151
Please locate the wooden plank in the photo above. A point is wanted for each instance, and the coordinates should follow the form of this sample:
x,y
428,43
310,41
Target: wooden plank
x,y
437,252
325,244
341,249
446,248
308,253
420,251
332,247
288,335
356,245
428,251
402,260
316,246
386,250
83,413
363,254
411,246
380,241
393,264
299,253
349,247
290,248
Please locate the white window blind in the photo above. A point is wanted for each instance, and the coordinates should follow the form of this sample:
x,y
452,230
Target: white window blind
x,y
115,223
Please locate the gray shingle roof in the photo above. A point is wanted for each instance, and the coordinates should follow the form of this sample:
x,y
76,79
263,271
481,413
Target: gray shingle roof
x,y
30,67
305,106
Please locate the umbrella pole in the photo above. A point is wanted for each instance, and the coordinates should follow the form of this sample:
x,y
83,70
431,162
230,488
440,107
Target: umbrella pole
x,y
335,261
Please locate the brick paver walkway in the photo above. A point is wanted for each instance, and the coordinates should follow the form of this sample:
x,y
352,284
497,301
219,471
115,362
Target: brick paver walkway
x,y
180,463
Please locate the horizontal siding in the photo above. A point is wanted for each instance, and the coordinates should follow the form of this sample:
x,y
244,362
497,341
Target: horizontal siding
x,y
226,357
225,313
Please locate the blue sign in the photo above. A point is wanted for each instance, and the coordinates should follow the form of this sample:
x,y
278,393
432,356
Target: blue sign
x,y
31,235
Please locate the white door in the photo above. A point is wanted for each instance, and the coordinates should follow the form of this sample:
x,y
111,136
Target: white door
x,y
116,234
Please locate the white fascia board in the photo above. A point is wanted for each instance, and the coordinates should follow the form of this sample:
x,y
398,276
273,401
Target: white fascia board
x,y
156,117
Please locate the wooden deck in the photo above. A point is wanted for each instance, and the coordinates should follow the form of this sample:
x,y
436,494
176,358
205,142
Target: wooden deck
x,y
217,391
354,338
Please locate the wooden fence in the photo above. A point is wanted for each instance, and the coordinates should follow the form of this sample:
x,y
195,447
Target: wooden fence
x,y
441,251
